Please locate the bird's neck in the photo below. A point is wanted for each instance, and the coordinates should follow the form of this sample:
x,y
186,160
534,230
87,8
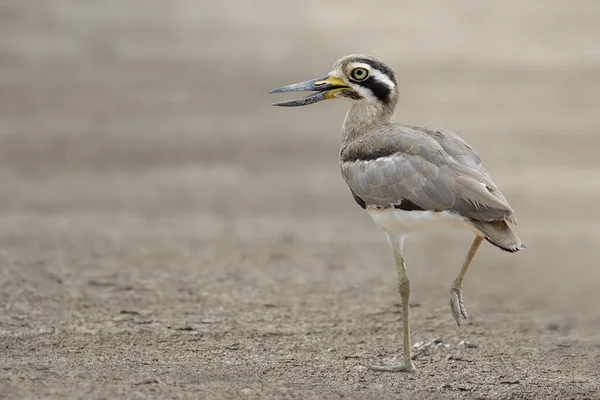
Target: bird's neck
x,y
361,119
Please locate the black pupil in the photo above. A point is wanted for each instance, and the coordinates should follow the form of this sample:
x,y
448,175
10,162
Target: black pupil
x,y
359,73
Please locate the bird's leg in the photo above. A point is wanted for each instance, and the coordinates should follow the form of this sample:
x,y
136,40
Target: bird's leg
x,y
404,288
456,301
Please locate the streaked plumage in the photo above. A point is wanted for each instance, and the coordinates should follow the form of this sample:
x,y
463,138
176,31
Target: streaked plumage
x,y
409,177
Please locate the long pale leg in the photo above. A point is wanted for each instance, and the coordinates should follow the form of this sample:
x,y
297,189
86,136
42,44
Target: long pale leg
x,y
404,288
456,300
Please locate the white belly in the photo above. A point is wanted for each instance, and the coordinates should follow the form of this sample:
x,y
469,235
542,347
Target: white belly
x,y
401,222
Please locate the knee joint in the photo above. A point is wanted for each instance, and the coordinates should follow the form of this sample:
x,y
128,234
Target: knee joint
x,y
404,286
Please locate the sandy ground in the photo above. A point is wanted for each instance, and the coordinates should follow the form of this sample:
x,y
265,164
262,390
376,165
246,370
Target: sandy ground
x,y
166,233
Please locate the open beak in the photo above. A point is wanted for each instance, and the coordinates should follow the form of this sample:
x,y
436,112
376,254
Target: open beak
x,y
324,87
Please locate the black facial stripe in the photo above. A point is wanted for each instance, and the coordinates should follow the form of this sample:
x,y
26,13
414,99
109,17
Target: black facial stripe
x,y
379,89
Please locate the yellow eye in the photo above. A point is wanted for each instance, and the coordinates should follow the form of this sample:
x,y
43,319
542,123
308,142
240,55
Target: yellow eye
x,y
360,74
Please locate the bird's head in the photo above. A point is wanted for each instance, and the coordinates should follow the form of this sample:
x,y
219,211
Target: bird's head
x,y
357,78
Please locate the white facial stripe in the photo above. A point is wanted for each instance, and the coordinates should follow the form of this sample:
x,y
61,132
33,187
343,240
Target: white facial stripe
x,y
360,65
375,73
382,78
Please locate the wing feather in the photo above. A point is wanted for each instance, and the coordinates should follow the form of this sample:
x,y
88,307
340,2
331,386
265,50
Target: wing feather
x,y
435,170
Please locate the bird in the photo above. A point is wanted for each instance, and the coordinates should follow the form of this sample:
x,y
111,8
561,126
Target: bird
x,y
408,178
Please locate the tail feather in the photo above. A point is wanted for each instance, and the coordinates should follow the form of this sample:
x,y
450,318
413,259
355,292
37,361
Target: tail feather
x,y
499,234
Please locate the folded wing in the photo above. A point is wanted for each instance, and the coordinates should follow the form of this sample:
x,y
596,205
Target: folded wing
x,y
435,170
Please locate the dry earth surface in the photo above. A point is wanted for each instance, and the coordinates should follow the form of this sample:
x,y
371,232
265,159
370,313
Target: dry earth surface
x,y
166,233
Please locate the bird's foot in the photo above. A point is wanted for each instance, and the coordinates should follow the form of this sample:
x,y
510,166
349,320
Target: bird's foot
x,y
456,305
395,366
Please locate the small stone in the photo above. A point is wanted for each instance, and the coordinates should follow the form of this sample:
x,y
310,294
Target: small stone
x,y
434,344
418,345
467,344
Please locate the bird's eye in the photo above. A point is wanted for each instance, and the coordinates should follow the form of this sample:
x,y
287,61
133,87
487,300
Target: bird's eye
x,y
360,74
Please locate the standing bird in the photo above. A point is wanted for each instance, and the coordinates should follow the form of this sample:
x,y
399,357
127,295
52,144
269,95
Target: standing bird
x,y
408,177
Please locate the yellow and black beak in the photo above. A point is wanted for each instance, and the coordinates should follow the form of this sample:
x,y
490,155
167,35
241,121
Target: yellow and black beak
x,y
325,87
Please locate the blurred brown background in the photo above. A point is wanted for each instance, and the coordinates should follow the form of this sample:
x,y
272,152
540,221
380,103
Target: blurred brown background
x,y
165,232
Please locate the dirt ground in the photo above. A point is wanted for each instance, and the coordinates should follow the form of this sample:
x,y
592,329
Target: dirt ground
x,y
166,233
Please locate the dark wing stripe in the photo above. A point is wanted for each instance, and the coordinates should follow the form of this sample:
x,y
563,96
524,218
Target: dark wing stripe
x,y
408,205
358,200
367,153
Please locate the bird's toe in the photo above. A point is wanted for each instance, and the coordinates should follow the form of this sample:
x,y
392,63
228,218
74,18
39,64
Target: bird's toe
x,y
457,306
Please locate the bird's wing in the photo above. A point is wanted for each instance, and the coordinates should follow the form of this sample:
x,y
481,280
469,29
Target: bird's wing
x,y
454,145
395,163
464,154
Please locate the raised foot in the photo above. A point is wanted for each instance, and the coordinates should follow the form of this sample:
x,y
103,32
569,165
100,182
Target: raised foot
x,y
395,367
456,305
